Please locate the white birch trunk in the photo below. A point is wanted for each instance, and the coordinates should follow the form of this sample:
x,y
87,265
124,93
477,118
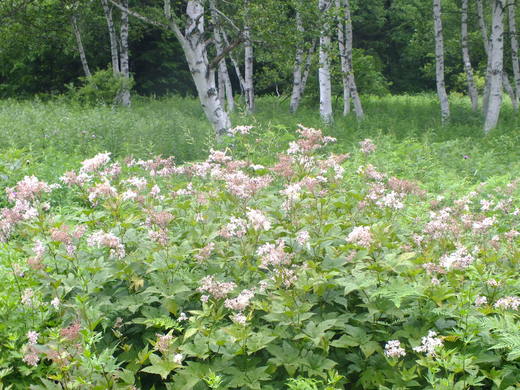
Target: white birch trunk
x,y
203,76
514,46
124,97
224,83
112,35
439,62
358,108
234,62
343,58
324,67
248,68
496,53
505,80
79,43
298,66
472,89
307,68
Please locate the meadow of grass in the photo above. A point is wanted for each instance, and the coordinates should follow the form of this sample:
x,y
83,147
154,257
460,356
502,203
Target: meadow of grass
x,y
386,258
54,136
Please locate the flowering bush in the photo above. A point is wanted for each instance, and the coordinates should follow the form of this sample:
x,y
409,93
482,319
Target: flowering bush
x,y
320,271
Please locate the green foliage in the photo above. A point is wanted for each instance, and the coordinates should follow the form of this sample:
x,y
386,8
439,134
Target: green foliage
x,y
136,307
102,88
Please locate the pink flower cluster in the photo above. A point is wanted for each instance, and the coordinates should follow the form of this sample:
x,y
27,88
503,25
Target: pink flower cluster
x,y
460,259
509,302
102,239
367,146
258,220
31,352
393,349
361,236
274,255
241,302
217,289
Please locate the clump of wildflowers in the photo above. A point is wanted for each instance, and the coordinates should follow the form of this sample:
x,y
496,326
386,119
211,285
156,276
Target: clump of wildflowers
x,y
393,349
361,236
367,146
241,302
273,254
258,220
459,259
429,344
217,289
101,239
509,302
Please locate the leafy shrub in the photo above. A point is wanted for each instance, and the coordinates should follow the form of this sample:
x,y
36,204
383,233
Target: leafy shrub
x,y
103,87
229,274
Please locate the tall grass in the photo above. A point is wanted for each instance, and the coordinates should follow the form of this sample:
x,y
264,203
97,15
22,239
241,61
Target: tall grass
x,y
53,136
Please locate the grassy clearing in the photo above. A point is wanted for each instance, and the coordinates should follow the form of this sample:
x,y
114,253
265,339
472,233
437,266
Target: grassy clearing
x,y
47,138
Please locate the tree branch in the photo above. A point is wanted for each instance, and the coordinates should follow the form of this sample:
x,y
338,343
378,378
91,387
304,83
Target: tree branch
x,y
213,64
139,16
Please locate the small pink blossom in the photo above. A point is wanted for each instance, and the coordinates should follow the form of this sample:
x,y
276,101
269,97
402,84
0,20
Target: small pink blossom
x,y
101,239
367,146
258,220
217,289
361,236
163,342
480,300
393,349
241,302
510,302
303,237
95,162
32,336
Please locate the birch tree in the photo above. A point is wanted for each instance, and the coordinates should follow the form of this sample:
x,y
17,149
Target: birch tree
x,y
194,46
324,64
119,49
439,61
496,54
124,94
248,60
345,38
511,4
472,89
79,43
298,65
225,89
505,80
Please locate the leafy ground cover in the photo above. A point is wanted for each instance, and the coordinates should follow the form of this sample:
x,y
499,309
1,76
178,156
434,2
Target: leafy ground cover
x,y
288,259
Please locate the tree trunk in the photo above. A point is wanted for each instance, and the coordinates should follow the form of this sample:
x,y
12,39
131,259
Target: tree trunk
x,y
112,35
324,66
124,97
248,69
307,67
203,76
439,62
238,72
496,53
514,46
358,108
79,44
224,83
344,63
505,80
472,89
298,66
